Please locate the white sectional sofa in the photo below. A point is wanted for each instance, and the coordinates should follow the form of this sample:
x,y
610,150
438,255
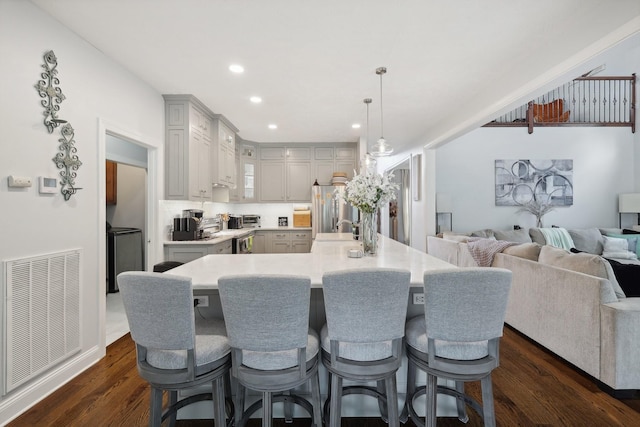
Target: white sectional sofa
x,y
577,316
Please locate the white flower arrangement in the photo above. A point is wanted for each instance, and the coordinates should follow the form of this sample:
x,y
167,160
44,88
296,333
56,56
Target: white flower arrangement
x,y
370,191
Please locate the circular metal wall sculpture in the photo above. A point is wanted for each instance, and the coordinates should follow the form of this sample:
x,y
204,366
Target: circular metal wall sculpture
x,y
52,95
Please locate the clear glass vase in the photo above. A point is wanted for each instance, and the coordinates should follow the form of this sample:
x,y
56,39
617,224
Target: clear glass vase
x,y
368,232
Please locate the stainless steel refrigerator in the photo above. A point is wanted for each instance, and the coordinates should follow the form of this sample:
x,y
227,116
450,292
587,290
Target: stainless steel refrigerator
x,y
327,210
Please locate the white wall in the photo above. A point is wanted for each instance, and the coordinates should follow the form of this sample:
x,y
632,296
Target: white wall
x,y
603,162
32,224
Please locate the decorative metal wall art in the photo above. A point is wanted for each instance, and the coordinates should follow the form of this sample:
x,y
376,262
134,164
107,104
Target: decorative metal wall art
x,y
523,181
47,88
66,159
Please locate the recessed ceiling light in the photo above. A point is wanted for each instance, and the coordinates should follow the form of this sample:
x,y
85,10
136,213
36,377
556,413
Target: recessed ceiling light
x,y
236,68
356,125
255,99
273,126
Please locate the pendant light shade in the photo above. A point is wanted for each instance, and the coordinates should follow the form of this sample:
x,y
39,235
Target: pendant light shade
x,y
368,164
382,147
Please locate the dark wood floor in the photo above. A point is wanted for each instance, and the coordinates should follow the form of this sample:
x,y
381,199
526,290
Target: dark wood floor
x,y
532,387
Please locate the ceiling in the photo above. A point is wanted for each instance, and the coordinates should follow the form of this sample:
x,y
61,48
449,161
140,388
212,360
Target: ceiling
x,y
450,64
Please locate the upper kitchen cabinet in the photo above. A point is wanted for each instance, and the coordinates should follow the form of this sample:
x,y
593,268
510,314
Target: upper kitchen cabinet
x,y
224,153
188,146
247,171
285,173
330,159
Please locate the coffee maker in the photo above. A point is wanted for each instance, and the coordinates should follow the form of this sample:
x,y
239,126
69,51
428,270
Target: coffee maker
x,y
188,226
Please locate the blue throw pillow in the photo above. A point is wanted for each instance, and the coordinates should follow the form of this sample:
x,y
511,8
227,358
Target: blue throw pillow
x,y
631,238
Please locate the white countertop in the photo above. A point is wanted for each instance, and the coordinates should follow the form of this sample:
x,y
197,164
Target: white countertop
x,y
326,255
225,235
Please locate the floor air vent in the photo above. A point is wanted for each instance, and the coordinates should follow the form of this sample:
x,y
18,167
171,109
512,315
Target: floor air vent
x,y
42,314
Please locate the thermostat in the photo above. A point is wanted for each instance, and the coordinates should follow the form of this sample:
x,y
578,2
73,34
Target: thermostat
x,y
47,185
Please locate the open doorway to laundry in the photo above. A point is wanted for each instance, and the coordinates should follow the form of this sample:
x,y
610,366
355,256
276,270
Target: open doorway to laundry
x,y
127,232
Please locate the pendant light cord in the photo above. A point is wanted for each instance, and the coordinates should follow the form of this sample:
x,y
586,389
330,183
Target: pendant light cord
x,y
381,116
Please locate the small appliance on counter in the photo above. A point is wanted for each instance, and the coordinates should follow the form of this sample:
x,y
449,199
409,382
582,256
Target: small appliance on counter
x,y
302,217
235,222
210,226
251,221
188,227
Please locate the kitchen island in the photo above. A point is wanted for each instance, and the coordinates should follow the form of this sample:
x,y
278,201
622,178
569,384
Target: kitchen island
x,y
328,253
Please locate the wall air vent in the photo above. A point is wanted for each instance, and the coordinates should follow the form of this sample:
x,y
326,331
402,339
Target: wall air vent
x,y
41,314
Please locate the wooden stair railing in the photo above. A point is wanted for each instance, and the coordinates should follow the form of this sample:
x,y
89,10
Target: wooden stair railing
x,y
585,101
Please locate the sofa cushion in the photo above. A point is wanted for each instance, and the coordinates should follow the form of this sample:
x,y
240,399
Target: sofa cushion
x,y
593,265
517,236
587,240
627,231
635,248
456,237
537,236
529,251
485,234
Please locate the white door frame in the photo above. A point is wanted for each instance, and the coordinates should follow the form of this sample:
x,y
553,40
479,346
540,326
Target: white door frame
x,y
151,221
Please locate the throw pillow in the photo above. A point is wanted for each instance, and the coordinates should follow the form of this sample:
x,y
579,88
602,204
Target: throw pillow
x,y
628,276
529,251
517,236
636,247
537,237
593,265
587,240
485,234
627,231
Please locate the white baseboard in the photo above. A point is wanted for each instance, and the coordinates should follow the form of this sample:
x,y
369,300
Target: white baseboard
x,y
19,401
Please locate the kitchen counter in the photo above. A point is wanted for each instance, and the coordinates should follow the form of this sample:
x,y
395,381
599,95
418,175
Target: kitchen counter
x,y
328,253
218,237
225,235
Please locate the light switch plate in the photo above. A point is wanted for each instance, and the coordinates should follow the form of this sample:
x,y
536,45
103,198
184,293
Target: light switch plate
x,y
19,181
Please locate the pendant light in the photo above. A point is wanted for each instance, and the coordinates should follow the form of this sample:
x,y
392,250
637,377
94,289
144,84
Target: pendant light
x,y
369,163
381,148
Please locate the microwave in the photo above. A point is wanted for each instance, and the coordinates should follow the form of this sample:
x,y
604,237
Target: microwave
x,y
235,222
251,221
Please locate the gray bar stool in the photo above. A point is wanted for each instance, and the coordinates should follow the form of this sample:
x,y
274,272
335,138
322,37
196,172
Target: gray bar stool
x,y
457,338
173,353
273,348
362,341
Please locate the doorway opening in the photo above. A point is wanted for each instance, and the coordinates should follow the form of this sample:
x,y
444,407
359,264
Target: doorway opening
x,y
126,222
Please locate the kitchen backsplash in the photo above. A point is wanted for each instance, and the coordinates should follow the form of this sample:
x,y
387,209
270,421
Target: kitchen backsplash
x,y
269,212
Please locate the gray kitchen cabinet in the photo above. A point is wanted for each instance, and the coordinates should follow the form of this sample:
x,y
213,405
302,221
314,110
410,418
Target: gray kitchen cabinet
x,y
189,252
299,181
272,153
280,242
225,247
272,181
224,153
260,242
185,253
247,174
285,174
328,160
236,191
300,241
187,149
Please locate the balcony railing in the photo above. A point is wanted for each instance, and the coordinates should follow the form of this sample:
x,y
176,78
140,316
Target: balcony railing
x,y
585,101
